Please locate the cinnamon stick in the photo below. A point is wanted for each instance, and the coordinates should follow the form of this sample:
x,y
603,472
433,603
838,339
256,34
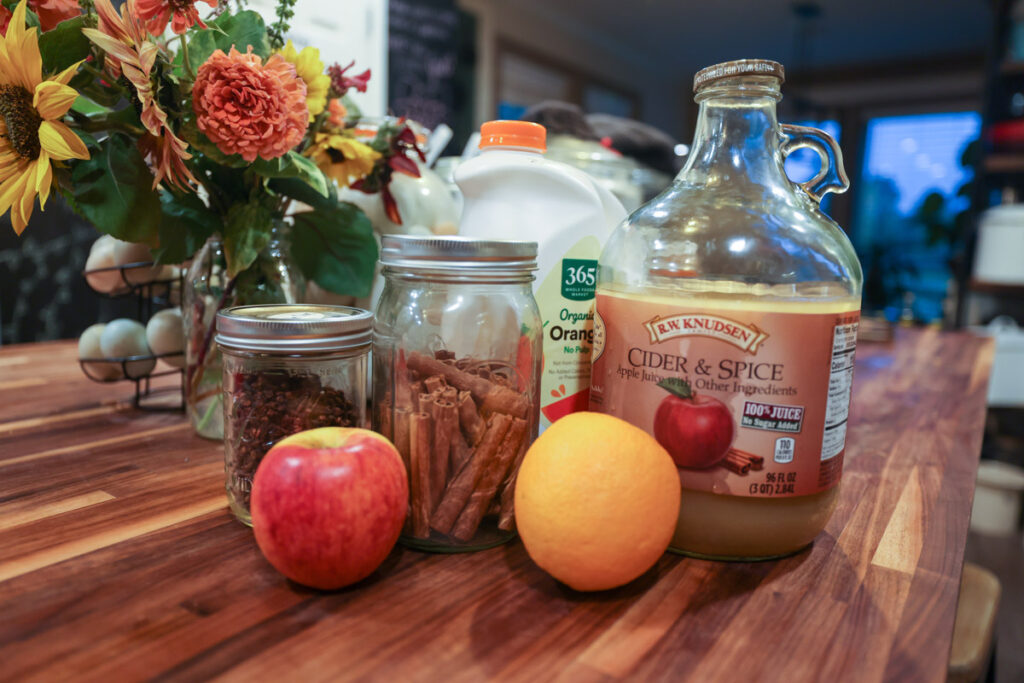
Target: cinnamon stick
x,y
445,423
469,418
404,399
465,482
491,397
756,461
420,437
487,487
415,389
735,463
384,416
507,518
401,440
459,452
434,383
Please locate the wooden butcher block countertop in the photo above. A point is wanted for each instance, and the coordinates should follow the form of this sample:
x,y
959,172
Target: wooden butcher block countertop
x,y
119,559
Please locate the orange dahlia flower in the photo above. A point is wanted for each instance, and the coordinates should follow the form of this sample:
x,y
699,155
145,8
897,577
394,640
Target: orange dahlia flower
x,y
250,108
182,14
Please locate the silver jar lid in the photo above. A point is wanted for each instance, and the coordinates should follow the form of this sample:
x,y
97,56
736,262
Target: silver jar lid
x,y
411,251
738,67
293,328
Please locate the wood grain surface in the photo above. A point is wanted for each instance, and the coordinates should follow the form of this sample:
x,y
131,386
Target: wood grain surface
x,y
120,561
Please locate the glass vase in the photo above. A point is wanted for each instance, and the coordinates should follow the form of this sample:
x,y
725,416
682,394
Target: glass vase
x,y
271,279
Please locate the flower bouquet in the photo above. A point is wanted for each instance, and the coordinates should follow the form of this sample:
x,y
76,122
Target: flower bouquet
x,y
192,131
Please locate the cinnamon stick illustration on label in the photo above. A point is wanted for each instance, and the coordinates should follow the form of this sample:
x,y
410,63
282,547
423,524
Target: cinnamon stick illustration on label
x,y
742,462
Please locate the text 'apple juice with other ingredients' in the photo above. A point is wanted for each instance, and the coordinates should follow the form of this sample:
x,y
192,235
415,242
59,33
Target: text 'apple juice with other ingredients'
x,y
726,322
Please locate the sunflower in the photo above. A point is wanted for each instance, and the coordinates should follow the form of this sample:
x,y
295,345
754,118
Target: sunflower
x,y
342,158
31,131
311,70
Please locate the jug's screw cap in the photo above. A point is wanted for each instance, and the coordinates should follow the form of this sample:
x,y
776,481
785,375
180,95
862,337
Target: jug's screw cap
x,y
513,134
738,67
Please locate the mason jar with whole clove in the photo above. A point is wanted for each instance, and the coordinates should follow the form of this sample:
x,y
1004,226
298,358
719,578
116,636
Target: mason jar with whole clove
x,y
287,368
456,376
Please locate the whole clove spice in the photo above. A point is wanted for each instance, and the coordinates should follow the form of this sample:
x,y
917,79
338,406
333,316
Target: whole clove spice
x,y
264,407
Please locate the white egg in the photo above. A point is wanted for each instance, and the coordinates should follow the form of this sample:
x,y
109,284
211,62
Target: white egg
x,y
101,255
124,337
165,333
89,347
102,239
135,252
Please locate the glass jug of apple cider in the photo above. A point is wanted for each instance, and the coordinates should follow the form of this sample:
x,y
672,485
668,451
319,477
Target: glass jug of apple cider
x,y
726,321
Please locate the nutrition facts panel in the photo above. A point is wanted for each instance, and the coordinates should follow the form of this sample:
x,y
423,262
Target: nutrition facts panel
x,y
840,380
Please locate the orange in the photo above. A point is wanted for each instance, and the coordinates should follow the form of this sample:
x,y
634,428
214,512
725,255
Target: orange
x,y
596,501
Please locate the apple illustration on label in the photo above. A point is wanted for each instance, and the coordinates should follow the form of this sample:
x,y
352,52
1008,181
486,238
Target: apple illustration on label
x,y
697,430
328,505
567,404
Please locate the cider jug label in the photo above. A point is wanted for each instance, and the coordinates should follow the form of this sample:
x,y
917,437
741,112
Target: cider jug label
x,y
748,402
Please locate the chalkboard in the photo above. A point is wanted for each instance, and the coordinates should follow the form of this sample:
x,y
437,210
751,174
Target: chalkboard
x,y
428,61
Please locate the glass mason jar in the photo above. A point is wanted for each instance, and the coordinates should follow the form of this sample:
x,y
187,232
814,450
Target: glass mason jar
x,y
726,317
270,279
456,376
287,368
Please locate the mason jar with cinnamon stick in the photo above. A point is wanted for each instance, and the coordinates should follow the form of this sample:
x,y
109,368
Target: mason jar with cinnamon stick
x,y
456,375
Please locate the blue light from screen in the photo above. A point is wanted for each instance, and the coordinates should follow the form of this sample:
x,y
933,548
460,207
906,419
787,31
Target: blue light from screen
x,y
920,153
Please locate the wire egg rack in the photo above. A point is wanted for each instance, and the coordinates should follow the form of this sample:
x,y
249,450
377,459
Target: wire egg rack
x,y
151,296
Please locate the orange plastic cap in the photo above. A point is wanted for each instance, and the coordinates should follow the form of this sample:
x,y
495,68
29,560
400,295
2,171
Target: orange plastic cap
x,y
513,134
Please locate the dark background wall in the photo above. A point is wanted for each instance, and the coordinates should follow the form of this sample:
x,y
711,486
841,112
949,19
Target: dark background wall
x,y
42,292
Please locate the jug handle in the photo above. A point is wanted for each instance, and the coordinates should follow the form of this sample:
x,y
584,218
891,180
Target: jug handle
x,y
831,177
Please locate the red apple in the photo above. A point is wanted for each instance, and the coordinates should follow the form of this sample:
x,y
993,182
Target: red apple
x,y
696,429
328,505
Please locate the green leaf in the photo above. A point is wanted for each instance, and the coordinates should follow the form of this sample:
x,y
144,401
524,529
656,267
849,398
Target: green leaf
x,y
84,105
293,165
114,191
186,225
247,230
352,111
241,30
676,387
64,45
301,191
336,249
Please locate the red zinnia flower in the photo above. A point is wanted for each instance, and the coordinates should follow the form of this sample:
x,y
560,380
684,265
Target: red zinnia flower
x,y
182,14
50,13
340,83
